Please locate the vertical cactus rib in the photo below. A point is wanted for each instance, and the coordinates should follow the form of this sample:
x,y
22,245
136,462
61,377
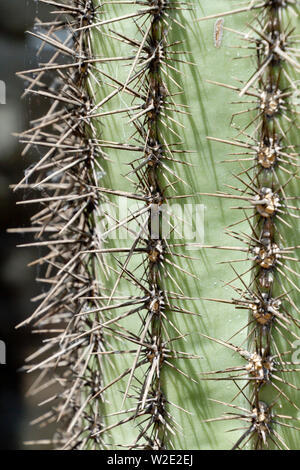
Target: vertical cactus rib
x,y
151,334
267,178
85,270
65,181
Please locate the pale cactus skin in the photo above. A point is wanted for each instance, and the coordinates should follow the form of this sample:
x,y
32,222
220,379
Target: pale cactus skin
x,y
141,116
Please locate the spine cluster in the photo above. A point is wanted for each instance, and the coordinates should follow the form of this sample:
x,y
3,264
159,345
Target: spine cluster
x,y
266,181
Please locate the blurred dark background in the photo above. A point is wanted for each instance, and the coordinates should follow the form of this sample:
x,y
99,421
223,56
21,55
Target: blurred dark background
x,y
17,285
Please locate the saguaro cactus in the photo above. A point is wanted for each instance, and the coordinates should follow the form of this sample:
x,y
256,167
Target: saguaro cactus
x,y
140,329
